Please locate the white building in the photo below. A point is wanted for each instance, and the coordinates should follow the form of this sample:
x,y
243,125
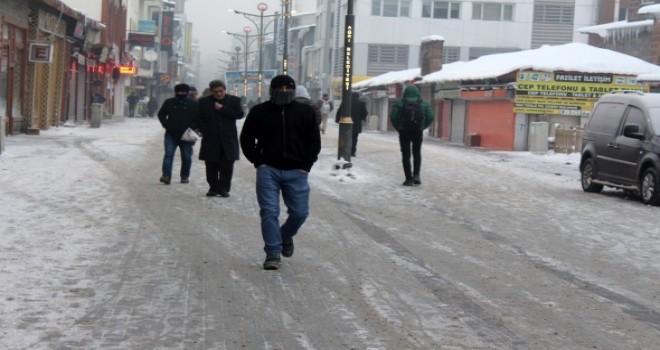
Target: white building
x,y
388,32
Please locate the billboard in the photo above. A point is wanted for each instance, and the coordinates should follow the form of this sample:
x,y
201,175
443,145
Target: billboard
x,y
566,93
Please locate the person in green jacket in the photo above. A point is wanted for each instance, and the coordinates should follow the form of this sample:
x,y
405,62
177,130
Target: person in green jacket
x,y
410,116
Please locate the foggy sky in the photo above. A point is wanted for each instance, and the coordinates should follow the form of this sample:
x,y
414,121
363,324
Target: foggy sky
x,y
210,18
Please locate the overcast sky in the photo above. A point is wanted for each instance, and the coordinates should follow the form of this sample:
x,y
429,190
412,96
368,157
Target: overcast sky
x,y
210,18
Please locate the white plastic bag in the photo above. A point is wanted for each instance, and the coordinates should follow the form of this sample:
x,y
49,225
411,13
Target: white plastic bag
x,y
190,136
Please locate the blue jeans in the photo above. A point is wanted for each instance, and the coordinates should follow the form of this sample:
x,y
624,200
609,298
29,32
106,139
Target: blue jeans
x,y
171,143
295,192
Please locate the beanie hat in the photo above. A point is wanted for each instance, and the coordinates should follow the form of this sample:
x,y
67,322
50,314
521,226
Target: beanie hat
x,y
192,88
182,88
281,80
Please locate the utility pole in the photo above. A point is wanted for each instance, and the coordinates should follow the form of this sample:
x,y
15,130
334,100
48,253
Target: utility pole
x,y
345,139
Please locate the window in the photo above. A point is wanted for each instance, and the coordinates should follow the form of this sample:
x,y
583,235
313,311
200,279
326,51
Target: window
x,y
492,11
476,52
623,14
636,116
386,58
441,9
451,54
553,14
390,8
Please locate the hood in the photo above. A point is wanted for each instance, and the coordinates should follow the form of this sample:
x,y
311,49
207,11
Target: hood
x,y
301,91
411,93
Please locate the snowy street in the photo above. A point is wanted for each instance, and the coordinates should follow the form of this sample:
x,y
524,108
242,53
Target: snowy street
x,y
495,250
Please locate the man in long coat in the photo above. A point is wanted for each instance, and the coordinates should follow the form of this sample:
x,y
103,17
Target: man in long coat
x,y
216,120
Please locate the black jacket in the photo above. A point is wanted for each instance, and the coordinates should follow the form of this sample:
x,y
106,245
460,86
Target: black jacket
x,y
219,134
177,116
359,113
284,137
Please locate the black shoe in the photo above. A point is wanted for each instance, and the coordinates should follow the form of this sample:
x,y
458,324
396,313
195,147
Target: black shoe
x,y
272,262
184,180
223,194
287,247
408,182
416,180
211,193
165,179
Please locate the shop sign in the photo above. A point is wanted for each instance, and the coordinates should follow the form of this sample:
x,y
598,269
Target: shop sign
x,y
41,53
566,93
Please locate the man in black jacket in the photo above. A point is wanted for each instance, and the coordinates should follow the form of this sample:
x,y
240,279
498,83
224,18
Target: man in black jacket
x,y
216,119
176,115
359,115
281,138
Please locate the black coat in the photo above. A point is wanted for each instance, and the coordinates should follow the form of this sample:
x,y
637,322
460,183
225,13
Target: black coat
x,y
177,116
359,113
218,128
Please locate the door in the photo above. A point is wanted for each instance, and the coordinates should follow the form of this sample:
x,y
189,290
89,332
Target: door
x,y
457,121
627,152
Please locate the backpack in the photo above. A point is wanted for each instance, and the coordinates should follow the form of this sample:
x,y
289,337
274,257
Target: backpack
x,y
325,107
412,115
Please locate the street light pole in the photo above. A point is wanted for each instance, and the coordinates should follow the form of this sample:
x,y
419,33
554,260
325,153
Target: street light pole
x,y
285,42
262,7
246,42
345,139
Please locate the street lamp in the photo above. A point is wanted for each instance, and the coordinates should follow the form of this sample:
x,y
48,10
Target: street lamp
x,y
246,43
261,7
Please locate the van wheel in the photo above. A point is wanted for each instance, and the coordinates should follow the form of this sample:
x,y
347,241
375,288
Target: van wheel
x,y
650,187
588,184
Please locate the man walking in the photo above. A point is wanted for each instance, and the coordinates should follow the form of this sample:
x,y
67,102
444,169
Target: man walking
x,y
176,115
216,119
281,138
359,114
326,106
410,116
132,100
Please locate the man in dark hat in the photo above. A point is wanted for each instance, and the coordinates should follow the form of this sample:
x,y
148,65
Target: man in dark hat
x,y
281,138
176,115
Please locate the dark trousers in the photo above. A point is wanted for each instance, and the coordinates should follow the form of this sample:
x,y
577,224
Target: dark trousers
x,y
354,144
411,140
219,174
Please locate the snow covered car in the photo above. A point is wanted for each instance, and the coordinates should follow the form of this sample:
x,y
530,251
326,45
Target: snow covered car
x,y
621,145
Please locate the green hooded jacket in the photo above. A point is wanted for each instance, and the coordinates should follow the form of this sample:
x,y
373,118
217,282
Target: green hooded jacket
x,y
410,94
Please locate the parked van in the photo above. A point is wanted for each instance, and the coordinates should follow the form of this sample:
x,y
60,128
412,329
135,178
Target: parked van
x,y
621,145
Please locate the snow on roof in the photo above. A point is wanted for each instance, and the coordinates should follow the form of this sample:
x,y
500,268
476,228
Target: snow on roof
x,y
433,38
654,9
606,30
649,78
567,57
389,78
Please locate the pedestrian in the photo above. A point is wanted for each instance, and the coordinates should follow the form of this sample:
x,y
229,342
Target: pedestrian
x,y
410,116
359,114
303,96
326,106
152,106
216,119
132,100
193,92
176,115
281,138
